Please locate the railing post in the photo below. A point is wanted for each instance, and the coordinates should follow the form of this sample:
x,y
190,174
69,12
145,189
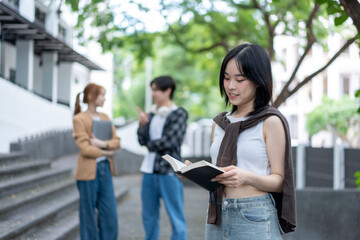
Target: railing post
x,y
300,167
339,167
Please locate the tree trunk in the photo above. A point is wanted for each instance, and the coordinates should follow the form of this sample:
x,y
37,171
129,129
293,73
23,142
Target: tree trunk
x,y
352,8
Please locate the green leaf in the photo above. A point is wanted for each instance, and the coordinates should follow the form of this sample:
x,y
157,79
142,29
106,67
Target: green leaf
x,y
341,19
332,9
336,114
357,93
74,4
321,1
357,176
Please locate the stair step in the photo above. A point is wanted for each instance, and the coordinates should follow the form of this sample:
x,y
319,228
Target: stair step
x,y
37,193
23,168
66,226
36,214
9,187
10,158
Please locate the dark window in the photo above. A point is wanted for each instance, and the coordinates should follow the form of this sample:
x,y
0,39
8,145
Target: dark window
x,y
12,75
40,16
325,85
310,91
14,3
346,85
294,126
62,32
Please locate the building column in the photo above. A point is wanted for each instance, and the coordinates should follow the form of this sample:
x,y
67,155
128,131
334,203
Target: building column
x,y
50,75
339,167
64,77
25,63
2,52
300,166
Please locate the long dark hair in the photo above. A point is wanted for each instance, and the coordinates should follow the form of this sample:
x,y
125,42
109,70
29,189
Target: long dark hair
x,y
254,64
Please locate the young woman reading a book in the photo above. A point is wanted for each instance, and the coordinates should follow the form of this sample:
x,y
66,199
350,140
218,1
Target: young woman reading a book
x,y
252,144
94,168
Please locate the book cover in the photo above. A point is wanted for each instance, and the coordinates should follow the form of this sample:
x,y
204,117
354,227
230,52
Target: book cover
x,y
102,129
200,172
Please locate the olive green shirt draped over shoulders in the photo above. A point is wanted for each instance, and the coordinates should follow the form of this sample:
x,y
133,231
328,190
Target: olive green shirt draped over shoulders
x,y
86,162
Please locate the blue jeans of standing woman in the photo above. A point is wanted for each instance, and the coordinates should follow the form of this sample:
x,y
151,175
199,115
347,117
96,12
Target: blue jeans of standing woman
x,y
170,189
98,194
253,218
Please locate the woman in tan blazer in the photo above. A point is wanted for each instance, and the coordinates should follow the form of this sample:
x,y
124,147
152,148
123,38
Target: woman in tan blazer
x,y
95,165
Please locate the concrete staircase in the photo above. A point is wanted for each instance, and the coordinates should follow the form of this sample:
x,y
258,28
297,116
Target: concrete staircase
x,y
38,201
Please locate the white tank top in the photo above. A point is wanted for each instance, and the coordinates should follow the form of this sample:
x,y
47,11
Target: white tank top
x,y
251,148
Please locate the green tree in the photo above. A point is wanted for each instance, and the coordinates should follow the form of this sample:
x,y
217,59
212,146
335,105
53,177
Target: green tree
x,y
192,43
216,26
195,86
338,115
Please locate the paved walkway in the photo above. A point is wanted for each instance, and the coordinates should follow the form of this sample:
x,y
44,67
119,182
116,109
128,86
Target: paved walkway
x,y
129,210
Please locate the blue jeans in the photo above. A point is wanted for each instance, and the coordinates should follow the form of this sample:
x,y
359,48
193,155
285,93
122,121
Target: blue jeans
x,y
98,194
253,218
170,189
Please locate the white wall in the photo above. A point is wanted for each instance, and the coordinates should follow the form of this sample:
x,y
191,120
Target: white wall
x,y
80,77
103,78
24,113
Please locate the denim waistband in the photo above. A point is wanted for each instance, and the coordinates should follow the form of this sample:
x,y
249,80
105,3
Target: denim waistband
x,y
262,200
106,160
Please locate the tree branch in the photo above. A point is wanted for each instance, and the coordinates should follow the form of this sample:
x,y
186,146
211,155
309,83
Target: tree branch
x,y
244,6
352,8
270,27
310,77
222,43
310,41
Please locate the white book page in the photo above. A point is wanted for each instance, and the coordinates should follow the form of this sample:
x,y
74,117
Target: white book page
x,y
201,163
176,164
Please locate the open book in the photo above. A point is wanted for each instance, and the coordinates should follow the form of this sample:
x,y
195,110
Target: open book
x,y
200,172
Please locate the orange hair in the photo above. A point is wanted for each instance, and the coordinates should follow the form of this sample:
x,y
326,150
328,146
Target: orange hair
x,y
91,92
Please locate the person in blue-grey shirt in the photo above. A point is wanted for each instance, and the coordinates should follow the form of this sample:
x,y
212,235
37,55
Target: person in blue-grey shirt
x,y
162,132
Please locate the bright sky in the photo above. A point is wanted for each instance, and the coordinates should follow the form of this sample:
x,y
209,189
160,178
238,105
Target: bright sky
x,y
154,21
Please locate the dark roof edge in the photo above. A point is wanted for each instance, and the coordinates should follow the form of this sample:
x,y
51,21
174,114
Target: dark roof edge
x,y
8,9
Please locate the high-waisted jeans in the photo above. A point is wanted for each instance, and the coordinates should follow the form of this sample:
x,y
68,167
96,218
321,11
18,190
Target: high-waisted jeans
x,y
246,219
98,194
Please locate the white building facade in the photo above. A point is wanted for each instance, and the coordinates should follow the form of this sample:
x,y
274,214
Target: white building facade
x,y
341,78
40,71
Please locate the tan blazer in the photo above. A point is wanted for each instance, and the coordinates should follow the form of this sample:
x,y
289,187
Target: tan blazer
x,y
86,163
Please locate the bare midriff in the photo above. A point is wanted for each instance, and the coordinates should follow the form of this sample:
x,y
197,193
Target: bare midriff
x,y
244,191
